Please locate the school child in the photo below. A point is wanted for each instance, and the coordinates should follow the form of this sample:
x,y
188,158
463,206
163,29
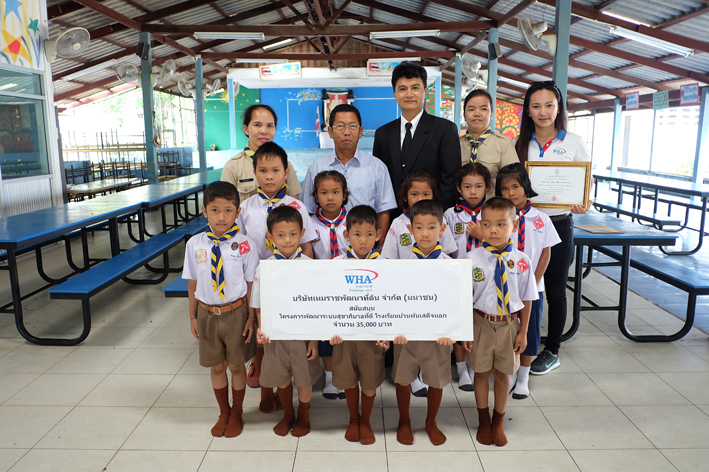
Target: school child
x,y
503,290
431,358
330,194
535,237
399,241
271,170
220,264
472,181
283,360
358,363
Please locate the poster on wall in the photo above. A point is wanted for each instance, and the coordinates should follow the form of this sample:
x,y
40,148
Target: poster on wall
x,y
632,101
21,43
289,70
381,68
661,100
689,95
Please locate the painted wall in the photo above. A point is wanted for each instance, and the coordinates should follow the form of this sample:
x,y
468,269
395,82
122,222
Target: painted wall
x,y
216,118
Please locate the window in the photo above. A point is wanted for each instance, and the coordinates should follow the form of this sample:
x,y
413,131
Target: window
x,y
23,143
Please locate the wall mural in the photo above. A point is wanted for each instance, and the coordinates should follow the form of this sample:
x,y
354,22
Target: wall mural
x,y
20,43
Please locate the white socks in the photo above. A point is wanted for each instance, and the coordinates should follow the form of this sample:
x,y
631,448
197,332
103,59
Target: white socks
x,y
521,391
465,382
418,388
513,380
329,391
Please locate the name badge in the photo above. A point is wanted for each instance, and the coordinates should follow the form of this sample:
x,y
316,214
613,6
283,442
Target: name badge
x,y
246,180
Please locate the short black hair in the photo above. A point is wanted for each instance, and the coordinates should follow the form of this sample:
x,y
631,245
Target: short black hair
x,y
409,71
362,214
478,93
344,108
427,207
515,171
499,203
334,175
221,189
248,113
271,149
283,214
416,176
473,168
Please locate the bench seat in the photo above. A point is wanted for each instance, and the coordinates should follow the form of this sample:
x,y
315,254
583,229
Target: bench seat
x,y
196,226
178,288
657,219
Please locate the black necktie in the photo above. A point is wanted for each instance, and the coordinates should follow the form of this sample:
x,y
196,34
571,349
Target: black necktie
x,y
406,146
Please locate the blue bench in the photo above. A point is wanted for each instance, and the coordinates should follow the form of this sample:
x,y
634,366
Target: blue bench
x,y
196,226
684,278
654,218
176,289
87,284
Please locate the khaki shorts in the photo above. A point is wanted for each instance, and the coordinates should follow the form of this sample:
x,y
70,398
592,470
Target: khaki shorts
x,y
431,358
357,361
493,346
220,337
283,360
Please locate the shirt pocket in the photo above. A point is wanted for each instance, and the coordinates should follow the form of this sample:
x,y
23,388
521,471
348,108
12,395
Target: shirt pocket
x,y
247,185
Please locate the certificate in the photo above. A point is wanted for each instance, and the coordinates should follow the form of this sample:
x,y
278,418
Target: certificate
x,y
560,184
367,299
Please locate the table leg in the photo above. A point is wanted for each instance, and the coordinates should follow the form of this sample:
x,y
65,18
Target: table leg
x,y
164,218
113,235
701,234
623,294
578,282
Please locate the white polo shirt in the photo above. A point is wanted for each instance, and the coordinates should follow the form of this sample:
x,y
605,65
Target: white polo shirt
x,y
539,233
457,223
520,280
252,221
255,301
321,245
564,147
240,263
399,240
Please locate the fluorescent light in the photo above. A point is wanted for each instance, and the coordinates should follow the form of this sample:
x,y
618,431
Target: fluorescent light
x,y
260,61
513,82
278,44
403,34
90,70
7,86
624,18
229,35
649,40
395,59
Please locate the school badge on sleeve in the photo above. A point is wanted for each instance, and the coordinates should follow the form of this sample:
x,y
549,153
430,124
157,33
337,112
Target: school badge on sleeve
x,y
523,266
538,223
405,239
244,247
458,228
478,275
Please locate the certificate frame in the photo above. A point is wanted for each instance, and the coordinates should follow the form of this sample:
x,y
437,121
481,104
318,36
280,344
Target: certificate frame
x,y
543,169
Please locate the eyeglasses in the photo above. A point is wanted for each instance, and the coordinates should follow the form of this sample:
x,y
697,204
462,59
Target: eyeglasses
x,y
341,128
552,84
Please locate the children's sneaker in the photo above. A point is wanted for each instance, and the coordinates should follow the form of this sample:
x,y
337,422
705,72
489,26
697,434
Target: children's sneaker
x,y
544,363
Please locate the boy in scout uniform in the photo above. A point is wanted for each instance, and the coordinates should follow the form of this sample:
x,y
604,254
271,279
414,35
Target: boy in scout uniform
x,y
503,290
220,264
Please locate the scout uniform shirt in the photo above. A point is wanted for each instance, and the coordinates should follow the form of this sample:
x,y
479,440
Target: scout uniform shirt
x,y
457,223
495,152
520,280
399,240
539,233
321,245
239,170
252,221
240,263
255,301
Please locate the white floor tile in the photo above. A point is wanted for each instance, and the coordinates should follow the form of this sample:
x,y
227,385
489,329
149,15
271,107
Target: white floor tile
x,y
327,432
688,460
647,460
125,338
156,461
216,461
23,426
57,460
346,461
31,359
8,458
671,426
448,460
56,390
10,384
526,429
503,460
693,386
154,361
170,338
604,359
90,361
174,429
137,390
637,389
566,390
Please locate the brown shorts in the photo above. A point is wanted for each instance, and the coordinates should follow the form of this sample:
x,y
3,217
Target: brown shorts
x,y
220,337
431,358
283,360
493,346
357,361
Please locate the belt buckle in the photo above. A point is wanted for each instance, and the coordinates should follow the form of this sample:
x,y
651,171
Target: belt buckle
x,y
216,310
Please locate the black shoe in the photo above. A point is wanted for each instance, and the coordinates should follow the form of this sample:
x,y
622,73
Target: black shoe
x,y
544,363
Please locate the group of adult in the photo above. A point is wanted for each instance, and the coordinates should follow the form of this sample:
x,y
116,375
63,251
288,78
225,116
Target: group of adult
x,y
418,141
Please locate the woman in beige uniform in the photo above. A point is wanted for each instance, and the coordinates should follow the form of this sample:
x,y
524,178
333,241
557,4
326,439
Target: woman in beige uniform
x,y
259,123
480,143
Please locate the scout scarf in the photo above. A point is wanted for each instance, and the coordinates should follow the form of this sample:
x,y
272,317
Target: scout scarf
x,y
475,143
520,230
280,256
432,255
217,261
334,246
248,151
503,293
278,197
474,213
351,255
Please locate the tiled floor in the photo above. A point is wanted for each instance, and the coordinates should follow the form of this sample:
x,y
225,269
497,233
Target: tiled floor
x,y
132,397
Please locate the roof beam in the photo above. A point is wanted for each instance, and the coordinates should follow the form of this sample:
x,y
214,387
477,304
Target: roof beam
x,y
521,6
685,17
298,15
113,14
480,37
320,57
337,14
470,8
593,14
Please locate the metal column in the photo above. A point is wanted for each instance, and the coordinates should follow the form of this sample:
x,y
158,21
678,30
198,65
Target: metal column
x,y
439,89
702,153
199,113
232,116
493,37
562,28
146,67
615,142
458,91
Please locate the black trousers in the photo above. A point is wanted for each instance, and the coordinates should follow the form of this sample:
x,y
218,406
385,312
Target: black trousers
x,y
555,279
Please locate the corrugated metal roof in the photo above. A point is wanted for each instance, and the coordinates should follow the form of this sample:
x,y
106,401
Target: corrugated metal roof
x,y
649,73
442,13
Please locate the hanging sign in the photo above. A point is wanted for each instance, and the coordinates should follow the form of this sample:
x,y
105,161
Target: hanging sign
x,y
689,95
661,100
381,68
632,101
289,70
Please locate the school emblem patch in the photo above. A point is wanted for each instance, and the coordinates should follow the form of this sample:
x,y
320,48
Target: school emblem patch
x,y
538,223
294,205
458,229
510,264
234,246
478,275
244,247
201,256
405,239
523,266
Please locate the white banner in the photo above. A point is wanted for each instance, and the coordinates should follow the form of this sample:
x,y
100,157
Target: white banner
x,y
367,300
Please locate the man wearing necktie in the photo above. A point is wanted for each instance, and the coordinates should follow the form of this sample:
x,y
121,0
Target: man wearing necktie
x,y
417,140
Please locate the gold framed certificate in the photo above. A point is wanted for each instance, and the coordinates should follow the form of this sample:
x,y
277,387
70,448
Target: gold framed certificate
x,y
560,184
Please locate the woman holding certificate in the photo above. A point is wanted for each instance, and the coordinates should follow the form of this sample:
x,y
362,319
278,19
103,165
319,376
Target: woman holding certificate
x,y
543,137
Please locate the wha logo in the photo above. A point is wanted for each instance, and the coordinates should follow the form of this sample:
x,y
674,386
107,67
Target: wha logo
x,y
360,277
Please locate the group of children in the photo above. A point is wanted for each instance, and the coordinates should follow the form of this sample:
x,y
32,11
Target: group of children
x,y
505,237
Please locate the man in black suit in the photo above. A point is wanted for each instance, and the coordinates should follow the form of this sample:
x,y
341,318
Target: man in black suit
x,y
417,140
